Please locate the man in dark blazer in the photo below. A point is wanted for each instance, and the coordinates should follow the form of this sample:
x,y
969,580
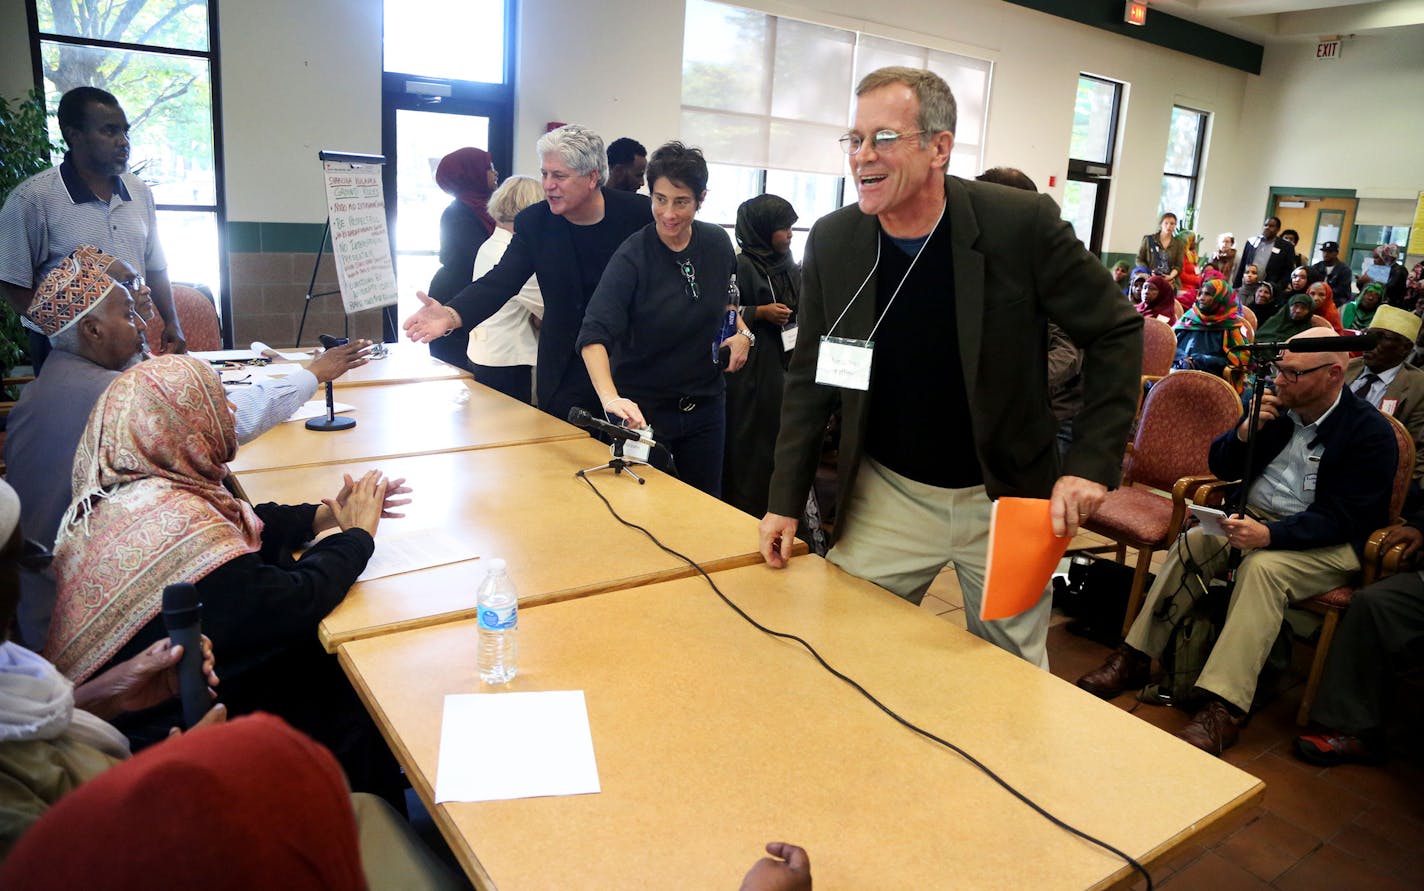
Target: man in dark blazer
x,y
963,278
1384,378
1274,257
566,241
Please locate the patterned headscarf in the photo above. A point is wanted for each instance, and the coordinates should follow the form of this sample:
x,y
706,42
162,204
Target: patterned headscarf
x,y
71,289
1216,309
149,508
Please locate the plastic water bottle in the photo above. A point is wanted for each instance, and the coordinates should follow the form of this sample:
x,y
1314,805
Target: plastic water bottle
x,y
499,626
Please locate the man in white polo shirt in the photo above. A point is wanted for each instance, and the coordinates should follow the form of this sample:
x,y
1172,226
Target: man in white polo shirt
x,y
87,199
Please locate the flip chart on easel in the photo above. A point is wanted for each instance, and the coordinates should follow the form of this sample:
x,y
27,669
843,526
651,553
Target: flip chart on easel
x,y
357,205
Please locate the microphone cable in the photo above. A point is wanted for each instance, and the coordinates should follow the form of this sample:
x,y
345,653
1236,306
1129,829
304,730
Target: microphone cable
x,y
839,675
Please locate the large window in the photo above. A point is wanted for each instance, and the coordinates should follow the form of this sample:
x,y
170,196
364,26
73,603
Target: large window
x,y
444,88
1090,158
1186,144
749,100
158,58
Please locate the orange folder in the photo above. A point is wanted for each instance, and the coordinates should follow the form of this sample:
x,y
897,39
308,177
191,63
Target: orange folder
x,y
1023,552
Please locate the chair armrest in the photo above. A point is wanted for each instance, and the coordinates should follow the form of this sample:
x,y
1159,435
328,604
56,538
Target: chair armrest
x,y
1213,492
1379,563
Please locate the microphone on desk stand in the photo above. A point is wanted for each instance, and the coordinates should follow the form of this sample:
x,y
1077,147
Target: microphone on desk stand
x,y
331,421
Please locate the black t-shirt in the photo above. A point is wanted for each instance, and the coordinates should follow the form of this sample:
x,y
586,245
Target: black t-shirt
x,y
593,246
920,425
659,335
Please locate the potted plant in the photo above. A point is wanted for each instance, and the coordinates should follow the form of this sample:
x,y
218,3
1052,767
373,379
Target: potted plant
x,y
24,151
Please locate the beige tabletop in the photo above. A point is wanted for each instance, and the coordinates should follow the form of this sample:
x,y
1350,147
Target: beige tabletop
x,y
523,503
712,738
407,419
405,363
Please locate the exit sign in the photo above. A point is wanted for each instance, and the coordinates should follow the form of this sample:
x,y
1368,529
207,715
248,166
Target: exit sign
x,y
1135,13
1328,50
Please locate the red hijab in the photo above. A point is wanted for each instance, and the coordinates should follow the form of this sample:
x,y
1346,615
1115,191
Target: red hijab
x,y
1326,308
464,173
1161,305
247,804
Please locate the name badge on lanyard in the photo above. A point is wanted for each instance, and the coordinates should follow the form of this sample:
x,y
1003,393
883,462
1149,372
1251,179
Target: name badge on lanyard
x,y
844,363
788,338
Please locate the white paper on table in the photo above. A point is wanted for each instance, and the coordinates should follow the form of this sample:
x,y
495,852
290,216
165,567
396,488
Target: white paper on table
x,y
405,550
317,409
497,746
254,373
226,355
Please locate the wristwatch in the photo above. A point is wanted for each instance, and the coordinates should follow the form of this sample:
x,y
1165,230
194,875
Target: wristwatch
x,y
747,333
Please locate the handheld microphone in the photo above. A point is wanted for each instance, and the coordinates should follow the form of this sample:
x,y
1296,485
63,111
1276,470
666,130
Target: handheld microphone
x,y
582,417
330,342
183,617
1356,344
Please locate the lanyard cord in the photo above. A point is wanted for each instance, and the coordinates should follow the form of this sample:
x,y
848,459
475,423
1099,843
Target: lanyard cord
x,y
903,279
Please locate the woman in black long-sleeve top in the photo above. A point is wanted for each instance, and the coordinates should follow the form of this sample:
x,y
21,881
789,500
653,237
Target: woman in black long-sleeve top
x,y
469,176
770,286
151,509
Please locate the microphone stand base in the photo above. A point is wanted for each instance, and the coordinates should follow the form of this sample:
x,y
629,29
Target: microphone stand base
x,y
617,465
331,424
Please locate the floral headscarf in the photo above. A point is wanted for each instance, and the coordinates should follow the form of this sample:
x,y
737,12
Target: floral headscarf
x,y
149,508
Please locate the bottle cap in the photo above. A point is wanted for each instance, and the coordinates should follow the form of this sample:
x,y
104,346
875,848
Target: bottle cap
x,y
496,564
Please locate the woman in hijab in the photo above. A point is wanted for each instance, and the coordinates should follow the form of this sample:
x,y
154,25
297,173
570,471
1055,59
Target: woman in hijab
x,y
1159,300
769,282
1211,335
1289,322
468,174
1140,275
1323,301
1395,283
149,480
1360,312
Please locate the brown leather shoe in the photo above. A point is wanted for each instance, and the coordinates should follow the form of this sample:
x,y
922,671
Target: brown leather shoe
x,y
1126,669
1214,729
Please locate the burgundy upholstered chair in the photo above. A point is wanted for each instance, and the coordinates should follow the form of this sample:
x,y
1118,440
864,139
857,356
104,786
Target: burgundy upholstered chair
x,y
1183,413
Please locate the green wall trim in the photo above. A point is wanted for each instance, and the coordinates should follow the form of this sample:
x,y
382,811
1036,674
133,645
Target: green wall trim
x,y
245,237
1161,30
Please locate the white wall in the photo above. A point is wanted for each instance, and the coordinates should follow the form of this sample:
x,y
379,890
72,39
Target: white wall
x,y
1347,124
635,90
296,78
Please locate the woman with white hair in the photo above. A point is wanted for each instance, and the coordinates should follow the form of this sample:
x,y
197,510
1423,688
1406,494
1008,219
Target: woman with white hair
x,y
504,347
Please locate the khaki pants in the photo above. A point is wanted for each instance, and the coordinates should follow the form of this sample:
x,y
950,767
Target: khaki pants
x,y
899,534
1266,582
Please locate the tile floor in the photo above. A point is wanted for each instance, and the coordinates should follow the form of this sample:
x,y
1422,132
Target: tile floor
x,y
1339,828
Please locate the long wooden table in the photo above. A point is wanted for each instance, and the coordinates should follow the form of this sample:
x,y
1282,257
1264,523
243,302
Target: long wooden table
x,y
712,738
405,363
407,419
523,503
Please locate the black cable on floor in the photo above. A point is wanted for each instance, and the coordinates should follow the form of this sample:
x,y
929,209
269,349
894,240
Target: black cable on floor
x,y
1003,784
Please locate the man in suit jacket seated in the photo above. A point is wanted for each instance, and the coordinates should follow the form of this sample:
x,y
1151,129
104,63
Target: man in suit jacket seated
x,y
939,291
566,241
1321,476
1383,378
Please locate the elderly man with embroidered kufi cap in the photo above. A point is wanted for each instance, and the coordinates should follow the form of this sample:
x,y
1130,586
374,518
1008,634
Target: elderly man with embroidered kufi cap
x,y
1384,378
89,316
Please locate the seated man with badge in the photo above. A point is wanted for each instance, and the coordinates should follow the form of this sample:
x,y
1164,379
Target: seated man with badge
x,y
1384,378
1321,473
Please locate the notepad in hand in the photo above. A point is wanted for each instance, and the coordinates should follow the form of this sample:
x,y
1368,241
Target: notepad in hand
x,y
1023,553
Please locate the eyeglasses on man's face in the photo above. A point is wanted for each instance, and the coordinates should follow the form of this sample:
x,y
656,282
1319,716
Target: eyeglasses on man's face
x,y
882,141
1291,375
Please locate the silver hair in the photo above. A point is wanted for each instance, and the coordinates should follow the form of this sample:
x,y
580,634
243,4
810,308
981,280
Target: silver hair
x,y
938,110
579,147
513,195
